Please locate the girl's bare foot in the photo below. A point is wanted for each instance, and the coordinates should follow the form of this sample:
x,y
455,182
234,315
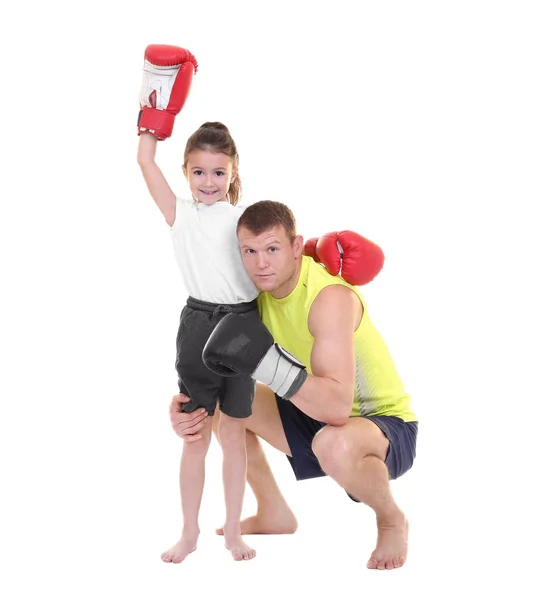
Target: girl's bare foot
x,y
186,545
239,550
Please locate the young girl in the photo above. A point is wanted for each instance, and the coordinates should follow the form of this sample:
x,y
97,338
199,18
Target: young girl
x,y
203,231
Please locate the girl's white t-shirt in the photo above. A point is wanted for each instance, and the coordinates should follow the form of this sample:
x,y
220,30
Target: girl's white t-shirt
x,y
207,252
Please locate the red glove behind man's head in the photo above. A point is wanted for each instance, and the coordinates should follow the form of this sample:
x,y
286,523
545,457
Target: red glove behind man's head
x,y
346,253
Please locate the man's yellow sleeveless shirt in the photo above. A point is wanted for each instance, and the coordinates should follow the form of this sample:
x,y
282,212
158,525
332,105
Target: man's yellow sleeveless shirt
x,y
378,387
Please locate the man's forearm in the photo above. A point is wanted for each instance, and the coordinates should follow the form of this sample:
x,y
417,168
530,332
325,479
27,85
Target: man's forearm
x,y
324,399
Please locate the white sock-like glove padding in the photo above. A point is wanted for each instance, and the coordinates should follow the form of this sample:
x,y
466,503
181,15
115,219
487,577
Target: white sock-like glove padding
x,y
281,371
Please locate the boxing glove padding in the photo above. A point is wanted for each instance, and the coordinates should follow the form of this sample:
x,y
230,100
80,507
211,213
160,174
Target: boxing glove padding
x,y
348,254
283,373
167,75
310,248
242,345
362,260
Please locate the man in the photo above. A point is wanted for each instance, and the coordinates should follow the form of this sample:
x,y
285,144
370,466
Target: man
x,y
328,396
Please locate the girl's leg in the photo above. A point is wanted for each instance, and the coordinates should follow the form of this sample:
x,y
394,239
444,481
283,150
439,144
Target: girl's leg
x,y
192,481
231,433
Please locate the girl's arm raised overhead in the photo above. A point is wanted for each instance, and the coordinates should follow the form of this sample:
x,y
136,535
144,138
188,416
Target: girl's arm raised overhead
x,y
158,186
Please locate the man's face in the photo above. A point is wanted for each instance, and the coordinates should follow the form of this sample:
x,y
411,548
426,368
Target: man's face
x,y
271,259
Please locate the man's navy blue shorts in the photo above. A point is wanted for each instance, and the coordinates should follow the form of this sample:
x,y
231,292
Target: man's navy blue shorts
x,y
300,430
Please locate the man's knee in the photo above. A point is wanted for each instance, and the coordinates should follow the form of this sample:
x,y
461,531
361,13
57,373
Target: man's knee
x,y
332,448
338,447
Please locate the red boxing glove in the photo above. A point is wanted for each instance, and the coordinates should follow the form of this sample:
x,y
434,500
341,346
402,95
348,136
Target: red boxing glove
x,y
167,75
347,253
310,248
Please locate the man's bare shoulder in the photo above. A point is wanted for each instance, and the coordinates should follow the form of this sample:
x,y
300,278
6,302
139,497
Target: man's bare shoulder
x,y
337,294
336,305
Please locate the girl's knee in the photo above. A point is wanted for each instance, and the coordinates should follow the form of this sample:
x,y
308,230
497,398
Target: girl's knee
x,y
231,430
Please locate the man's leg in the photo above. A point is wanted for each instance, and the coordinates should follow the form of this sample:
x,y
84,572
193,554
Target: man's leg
x,y
273,513
353,455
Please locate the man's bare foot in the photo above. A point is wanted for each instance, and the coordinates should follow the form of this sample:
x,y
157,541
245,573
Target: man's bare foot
x,y
239,550
392,544
268,522
186,545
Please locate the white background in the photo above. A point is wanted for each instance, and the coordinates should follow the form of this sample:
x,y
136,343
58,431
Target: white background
x,y
424,126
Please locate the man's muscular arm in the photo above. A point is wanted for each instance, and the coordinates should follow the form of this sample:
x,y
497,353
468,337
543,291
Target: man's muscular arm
x,y
242,344
327,394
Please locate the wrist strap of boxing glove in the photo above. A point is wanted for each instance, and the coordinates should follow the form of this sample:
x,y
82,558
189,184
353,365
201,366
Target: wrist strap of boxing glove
x,y
281,371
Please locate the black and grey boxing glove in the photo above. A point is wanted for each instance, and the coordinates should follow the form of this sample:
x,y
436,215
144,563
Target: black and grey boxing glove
x,y
242,345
